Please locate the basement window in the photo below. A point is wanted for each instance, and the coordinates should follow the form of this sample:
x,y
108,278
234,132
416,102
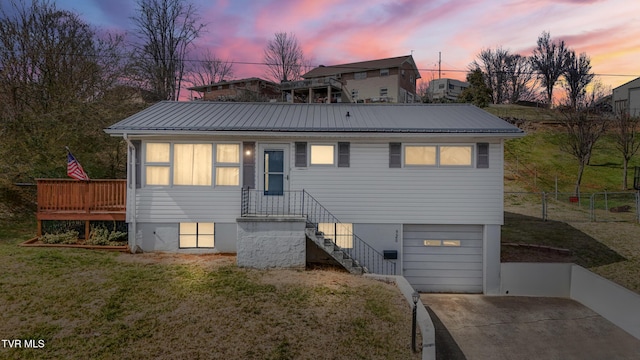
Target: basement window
x,y
197,235
340,233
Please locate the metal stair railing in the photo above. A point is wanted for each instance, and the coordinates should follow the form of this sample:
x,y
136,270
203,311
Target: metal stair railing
x,y
300,203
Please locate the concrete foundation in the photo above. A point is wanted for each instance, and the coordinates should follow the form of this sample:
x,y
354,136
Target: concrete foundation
x,y
271,242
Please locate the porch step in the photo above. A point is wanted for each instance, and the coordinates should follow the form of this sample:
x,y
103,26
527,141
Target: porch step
x,y
334,251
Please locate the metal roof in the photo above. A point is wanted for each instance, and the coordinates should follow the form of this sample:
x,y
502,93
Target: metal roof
x,y
204,116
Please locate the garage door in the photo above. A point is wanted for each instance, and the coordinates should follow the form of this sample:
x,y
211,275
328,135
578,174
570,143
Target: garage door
x,y
443,258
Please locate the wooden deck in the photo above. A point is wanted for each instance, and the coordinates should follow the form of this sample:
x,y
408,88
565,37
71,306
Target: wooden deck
x,y
68,199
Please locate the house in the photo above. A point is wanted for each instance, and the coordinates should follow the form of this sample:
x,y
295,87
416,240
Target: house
x,y
446,89
250,89
390,80
626,98
415,186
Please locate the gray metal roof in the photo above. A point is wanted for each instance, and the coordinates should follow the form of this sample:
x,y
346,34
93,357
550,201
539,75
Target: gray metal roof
x,y
204,116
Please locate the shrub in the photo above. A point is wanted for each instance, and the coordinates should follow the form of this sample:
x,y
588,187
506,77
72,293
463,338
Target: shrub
x,y
100,235
69,237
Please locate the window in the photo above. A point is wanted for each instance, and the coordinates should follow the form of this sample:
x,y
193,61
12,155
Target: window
x,y
322,155
354,94
197,235
192,164
420,155
440,86
384,91
438,155
227,164
441,243
360,75
384,72
157,158
455,155
341,233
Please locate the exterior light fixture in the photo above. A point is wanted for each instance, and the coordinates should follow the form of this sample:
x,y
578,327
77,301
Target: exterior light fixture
x,y
415,297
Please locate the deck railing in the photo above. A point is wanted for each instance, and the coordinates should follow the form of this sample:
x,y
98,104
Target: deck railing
x,y
301,203
68,199
73,196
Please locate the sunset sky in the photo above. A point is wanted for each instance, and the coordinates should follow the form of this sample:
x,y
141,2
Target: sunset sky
x,y
335,31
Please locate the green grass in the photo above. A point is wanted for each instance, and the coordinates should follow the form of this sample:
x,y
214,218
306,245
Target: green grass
x,y
93,304
538,160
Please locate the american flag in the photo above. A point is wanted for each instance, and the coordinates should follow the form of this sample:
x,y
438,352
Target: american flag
x,y
74,169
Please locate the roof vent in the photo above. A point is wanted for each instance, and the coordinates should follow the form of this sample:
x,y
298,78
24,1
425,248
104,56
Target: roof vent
x,y
348,114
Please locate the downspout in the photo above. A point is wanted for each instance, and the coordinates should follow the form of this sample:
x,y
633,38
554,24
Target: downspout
x,y
131,196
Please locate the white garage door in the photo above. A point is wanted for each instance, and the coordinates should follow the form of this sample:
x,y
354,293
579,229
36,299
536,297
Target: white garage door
x,y
443,258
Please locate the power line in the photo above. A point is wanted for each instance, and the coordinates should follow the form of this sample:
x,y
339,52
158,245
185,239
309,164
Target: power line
x,y
347,66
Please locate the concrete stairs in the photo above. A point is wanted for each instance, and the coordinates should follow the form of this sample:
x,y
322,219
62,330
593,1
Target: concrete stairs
x,y
334,251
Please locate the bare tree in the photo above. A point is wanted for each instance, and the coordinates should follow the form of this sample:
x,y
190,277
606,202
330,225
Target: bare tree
x,y
520,79
627,141
548,60
166,30
284,58
492,63
582,132
577,75
209,69
507,75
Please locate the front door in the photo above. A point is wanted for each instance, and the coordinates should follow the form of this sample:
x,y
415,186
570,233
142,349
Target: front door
x,y
274,169
274,175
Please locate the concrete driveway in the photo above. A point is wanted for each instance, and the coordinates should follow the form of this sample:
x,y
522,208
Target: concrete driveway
x,y
511,327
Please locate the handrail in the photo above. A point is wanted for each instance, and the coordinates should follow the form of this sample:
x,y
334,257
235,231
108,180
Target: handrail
x,y
68,195
301,203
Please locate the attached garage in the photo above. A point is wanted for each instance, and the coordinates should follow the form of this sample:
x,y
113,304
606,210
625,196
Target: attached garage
x,y
443,258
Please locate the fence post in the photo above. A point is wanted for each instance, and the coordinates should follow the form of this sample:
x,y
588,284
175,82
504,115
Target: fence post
x,y
544,206
637,206
592,207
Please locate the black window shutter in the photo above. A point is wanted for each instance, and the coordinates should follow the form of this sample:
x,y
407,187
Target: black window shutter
x,y
301,154
344,154
249,165
395,155
482,161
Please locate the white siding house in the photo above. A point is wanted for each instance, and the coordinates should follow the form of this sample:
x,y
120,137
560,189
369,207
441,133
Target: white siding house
x,y
423,181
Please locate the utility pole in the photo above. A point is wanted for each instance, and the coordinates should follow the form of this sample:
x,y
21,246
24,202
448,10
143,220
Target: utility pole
x,y
439,64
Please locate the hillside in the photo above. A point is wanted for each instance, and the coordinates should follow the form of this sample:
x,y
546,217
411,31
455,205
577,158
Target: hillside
x,y
534,162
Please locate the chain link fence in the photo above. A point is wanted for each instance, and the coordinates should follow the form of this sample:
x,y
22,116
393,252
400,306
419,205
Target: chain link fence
x,y
567,207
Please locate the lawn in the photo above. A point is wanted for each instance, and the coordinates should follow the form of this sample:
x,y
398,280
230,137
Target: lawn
x,y
102,305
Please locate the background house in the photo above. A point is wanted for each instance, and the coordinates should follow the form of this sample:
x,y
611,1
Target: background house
x,y
421,182
391,80
626,98
446,89
250,89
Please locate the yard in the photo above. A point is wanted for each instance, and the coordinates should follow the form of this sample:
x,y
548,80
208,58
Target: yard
x,y
151,306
